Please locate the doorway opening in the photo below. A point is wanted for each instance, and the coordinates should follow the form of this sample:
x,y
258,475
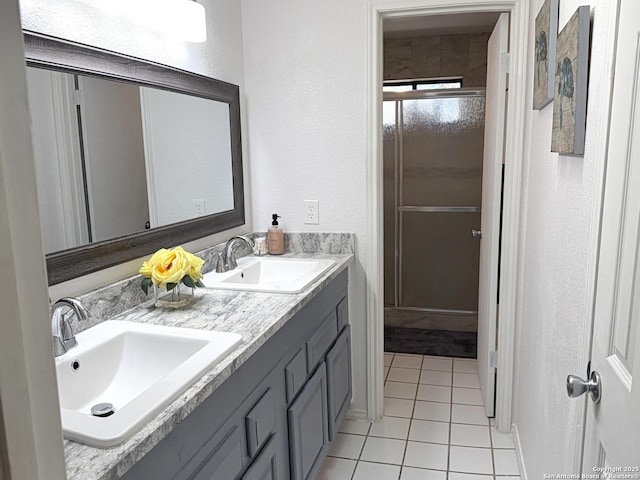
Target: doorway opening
x,y
435,71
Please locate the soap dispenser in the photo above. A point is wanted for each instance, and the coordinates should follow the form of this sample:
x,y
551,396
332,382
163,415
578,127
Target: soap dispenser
x,y
275,237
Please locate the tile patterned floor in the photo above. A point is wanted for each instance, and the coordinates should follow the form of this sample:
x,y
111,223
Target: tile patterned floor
x,y
434,428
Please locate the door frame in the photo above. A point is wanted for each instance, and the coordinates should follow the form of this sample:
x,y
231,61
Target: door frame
x,y
517,109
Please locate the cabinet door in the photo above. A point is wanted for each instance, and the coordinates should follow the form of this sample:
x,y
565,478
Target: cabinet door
x,y
265,467
339,380
308,427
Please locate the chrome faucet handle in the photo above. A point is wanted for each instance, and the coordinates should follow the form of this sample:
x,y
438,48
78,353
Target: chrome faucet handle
x,y
218,263
62,333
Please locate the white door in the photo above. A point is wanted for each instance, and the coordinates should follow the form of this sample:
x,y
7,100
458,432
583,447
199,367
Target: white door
x,y
612,434
114,157
490,217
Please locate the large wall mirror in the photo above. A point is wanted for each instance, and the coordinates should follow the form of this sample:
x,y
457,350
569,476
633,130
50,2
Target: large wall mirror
x,y
130,155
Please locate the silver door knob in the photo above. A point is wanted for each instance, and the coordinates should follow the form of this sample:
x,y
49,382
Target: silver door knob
x,y
476,233
577,386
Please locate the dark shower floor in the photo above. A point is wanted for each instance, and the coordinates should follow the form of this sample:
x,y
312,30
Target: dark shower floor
x,y
444,343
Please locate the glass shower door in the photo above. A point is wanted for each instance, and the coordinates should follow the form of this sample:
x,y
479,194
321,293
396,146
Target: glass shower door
x,y
438,190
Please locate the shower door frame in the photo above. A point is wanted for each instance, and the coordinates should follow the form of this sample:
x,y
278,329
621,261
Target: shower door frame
x,y
399,208
517,111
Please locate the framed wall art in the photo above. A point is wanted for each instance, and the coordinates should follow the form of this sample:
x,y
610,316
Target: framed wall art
x,y
545,54
570,98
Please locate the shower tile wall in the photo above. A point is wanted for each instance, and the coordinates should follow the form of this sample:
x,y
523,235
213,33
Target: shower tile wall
x,y
462,55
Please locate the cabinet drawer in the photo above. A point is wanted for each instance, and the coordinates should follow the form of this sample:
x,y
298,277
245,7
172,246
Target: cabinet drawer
x,y
343,313
260,422
295,374
318,345
339,380
225,462
265,467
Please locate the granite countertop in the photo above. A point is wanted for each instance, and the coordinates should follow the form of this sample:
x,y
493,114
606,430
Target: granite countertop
x,y
255,316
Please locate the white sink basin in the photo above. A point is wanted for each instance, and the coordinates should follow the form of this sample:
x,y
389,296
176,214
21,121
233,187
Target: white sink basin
x,y
138,368
269,274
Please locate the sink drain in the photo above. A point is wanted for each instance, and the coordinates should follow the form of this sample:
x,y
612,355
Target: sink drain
x,y
102,410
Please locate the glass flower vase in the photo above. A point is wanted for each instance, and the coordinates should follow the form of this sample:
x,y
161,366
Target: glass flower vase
x,y
179,296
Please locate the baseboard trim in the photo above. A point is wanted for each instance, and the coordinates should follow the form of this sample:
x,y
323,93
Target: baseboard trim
x,y
519,455
358,414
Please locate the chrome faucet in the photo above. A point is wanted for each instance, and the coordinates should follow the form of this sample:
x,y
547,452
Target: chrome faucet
x,y
63,337
227,260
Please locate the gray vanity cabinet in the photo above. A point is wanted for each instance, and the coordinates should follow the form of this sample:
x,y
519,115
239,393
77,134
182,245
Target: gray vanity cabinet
x,y
274,417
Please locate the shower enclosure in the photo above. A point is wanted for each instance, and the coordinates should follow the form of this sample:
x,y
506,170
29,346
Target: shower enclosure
x,y
433,147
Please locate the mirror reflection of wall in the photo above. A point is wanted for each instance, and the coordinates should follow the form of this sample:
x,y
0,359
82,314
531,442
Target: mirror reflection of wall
x,y
114,158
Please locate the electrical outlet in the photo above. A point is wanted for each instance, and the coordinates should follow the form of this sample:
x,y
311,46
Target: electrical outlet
x,y
198,204
311,212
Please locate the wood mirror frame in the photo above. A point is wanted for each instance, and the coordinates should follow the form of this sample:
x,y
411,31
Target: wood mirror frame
x,y
51,53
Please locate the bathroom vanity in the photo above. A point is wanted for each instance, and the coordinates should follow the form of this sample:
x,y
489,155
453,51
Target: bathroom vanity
x,y
268,411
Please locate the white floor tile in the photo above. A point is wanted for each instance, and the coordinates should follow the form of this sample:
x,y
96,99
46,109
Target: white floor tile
x,y
470,460
470,435
391,427
385,373
468,476
465,365
467,396
347,446
407,361
501,440
411,473
355,427
379,471
441,364
337,469
384,450
398,407
426,455
435,378
400,390
408,375
440,412
506,462
466,380
434,393
428,431
388,357
469,414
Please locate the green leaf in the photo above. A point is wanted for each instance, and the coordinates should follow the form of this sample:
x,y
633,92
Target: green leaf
x,y
171,286
188,281
146,284
200,284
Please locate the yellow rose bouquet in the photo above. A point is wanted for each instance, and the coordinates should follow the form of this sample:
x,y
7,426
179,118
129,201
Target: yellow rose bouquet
x,y
168,268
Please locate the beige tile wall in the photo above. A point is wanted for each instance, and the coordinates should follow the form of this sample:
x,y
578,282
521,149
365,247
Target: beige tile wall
x,y
437,56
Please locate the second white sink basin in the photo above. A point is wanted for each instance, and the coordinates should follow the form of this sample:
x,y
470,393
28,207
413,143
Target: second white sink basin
x,y
135,369
270,274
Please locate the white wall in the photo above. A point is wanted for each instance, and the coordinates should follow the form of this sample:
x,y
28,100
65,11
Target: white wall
x,y
305,89
195,134
98,24
561,199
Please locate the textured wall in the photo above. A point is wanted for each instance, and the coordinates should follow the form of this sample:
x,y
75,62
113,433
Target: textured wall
x,y
104,25
557,267
431,56
304,78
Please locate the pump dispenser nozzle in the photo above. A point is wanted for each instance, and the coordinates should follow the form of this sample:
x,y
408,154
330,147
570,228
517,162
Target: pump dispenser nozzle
x,y
275,217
